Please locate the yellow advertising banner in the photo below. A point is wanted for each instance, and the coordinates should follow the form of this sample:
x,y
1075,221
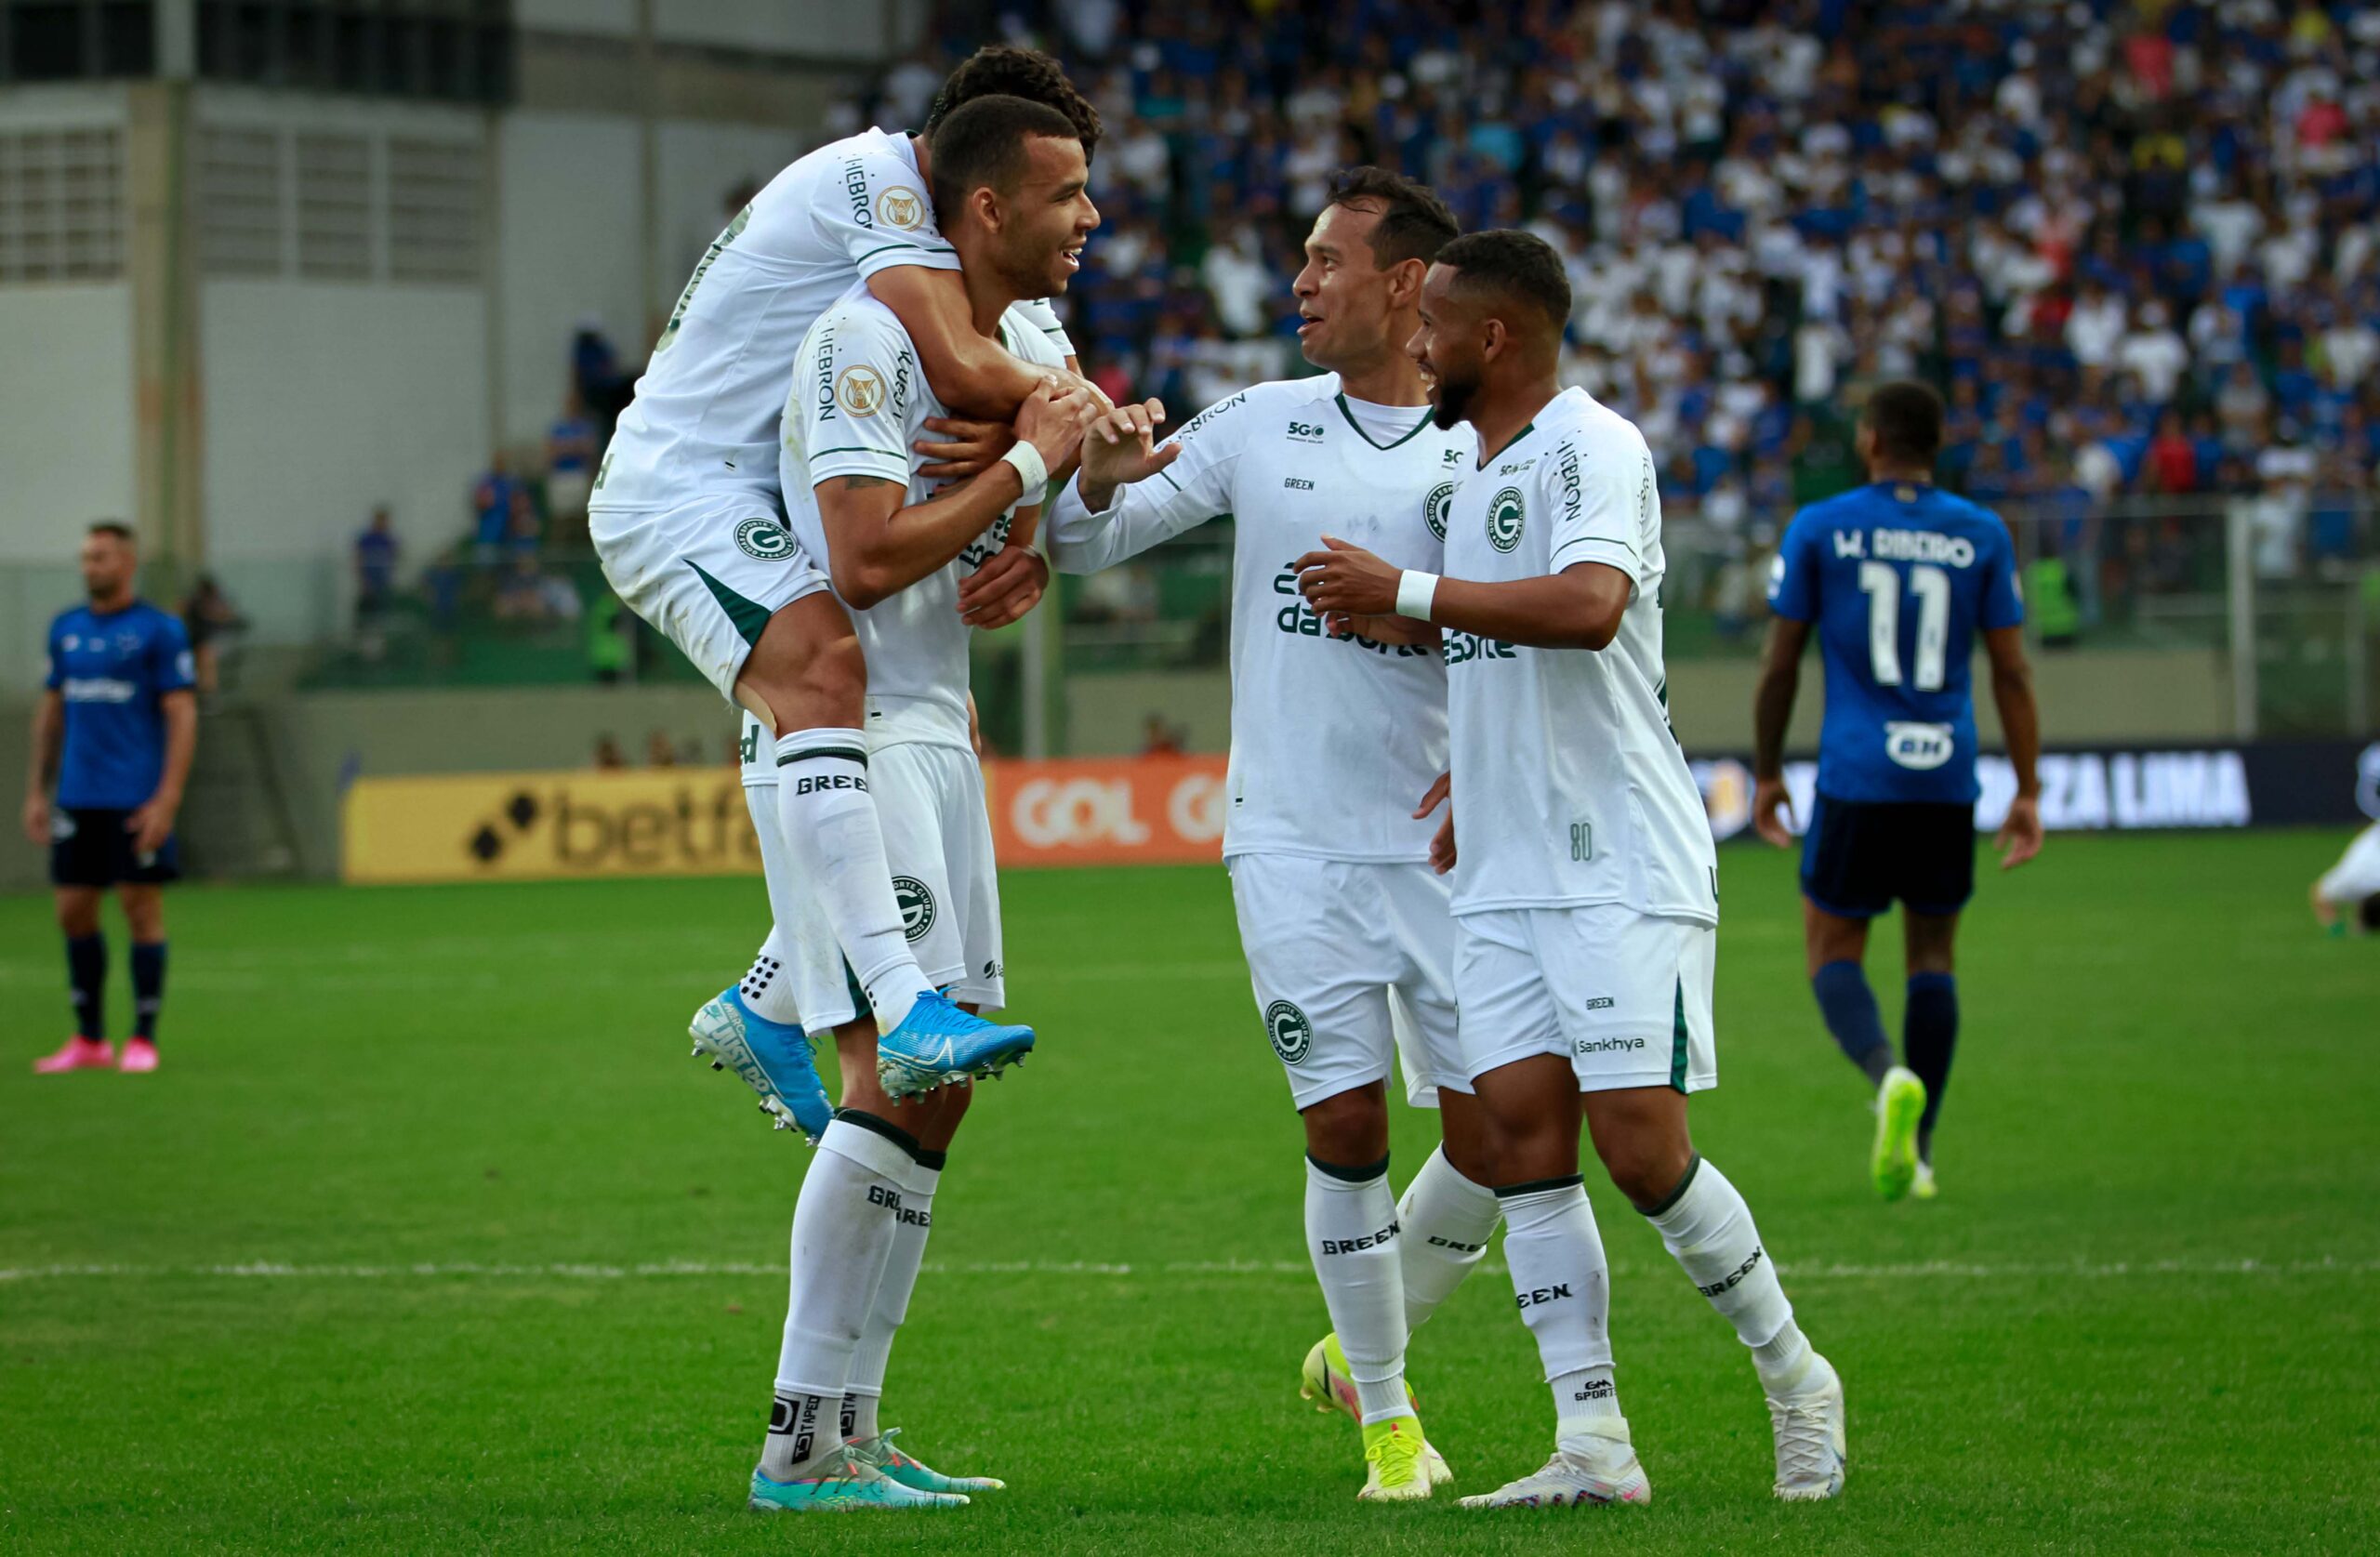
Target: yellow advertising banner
x,y
546,826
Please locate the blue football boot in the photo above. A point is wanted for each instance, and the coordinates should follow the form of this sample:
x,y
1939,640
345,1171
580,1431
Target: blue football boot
x,y
938,1043
772,1058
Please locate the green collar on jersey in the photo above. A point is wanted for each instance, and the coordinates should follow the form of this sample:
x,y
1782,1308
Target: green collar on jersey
x,y
1344,410
1507,443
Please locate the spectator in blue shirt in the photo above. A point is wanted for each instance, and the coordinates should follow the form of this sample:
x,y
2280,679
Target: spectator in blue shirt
x,y
376,566
113,735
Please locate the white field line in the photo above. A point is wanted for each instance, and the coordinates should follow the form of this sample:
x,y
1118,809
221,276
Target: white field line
x,y
1932,1270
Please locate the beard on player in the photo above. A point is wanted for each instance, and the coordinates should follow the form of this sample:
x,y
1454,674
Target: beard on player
x,y
1450,395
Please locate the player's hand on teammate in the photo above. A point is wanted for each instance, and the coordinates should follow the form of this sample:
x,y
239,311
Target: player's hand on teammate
x,y
1055,421
1004,588
1442,844
2020,835
1344,580
151,824
1772,811
964,448
37,818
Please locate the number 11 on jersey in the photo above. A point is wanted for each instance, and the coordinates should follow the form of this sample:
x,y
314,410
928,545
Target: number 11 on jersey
x,y
1881,583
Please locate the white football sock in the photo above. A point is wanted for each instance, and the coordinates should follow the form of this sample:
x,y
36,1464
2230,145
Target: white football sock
x,y
1447,1221
1708,1228
1351,1230
842,1230
892,1303
829,825
765,987
1563,1288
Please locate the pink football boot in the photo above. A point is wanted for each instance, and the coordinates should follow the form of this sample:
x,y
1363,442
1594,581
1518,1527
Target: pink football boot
x,y
80,1054
140,1057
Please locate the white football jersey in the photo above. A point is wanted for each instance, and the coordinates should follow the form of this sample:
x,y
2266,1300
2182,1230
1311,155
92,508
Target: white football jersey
x,y
704,419
1333,739
858,402
1570,788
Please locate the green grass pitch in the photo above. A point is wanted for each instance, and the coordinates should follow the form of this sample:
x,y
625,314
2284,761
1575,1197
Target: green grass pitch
x,y
431,1237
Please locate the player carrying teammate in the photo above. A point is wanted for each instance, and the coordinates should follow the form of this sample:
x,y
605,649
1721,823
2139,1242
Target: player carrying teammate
x,y
690,525
116,730
1008,183
1585,894
1345,926
1897,577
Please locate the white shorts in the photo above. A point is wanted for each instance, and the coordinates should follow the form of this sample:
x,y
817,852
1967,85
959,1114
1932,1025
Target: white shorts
x,y
1351,963
938,842
708,573
1625,997
2357,875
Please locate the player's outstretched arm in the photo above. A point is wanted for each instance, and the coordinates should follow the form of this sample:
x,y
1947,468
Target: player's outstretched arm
x,y
1772,712
41,765
1133,493
878,548
2020,725
1579,608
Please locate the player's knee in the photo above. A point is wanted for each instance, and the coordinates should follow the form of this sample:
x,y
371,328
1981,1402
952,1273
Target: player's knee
x,y
1347,1129
145,914
808,670
78,913
1646,1170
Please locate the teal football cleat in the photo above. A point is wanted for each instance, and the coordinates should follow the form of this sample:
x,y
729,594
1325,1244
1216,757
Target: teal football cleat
x,y
880,1452
938,1043
845,1484
772,1058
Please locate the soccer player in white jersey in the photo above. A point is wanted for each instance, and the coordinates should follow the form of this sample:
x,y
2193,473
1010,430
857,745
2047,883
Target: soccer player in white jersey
x,y
1586,887
1010,185
688,521
1335,734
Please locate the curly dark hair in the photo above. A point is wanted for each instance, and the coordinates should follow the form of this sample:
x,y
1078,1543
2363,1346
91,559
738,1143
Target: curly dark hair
x,y
1511,266
999,70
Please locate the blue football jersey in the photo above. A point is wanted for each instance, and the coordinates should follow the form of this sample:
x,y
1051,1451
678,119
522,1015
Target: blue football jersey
x,y
1898,578
113,673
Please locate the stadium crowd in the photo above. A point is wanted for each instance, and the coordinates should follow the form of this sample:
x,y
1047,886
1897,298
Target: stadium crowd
x,y
2137,244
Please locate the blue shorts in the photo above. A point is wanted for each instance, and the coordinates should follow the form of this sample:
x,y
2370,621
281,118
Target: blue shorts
x,y
1859,856
90,848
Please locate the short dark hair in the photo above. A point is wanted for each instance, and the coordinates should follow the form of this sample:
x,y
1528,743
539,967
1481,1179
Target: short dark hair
x,y
114,527
1907,417
1513,265
1001,71
1414,223
983,142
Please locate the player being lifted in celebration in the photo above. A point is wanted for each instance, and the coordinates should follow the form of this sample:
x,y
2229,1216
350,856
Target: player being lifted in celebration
x,y
1334,735
688,521
1586,892
1897,577
1008,179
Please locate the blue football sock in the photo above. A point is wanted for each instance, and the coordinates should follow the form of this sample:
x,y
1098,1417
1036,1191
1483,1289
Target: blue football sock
x,y
1851,1015
87,980
1930,1028
148,987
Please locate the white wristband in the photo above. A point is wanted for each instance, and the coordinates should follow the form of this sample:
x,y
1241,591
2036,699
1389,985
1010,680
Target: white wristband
x,y
1031,468
1415,591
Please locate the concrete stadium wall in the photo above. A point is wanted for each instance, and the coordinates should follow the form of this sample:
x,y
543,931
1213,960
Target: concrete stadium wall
x,y
66,432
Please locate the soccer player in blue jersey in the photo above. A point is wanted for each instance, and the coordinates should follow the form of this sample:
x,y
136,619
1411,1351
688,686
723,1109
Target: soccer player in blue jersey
x,y
1897,578
115,733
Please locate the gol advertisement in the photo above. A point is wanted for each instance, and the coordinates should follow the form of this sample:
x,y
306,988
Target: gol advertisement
x,y
691,820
